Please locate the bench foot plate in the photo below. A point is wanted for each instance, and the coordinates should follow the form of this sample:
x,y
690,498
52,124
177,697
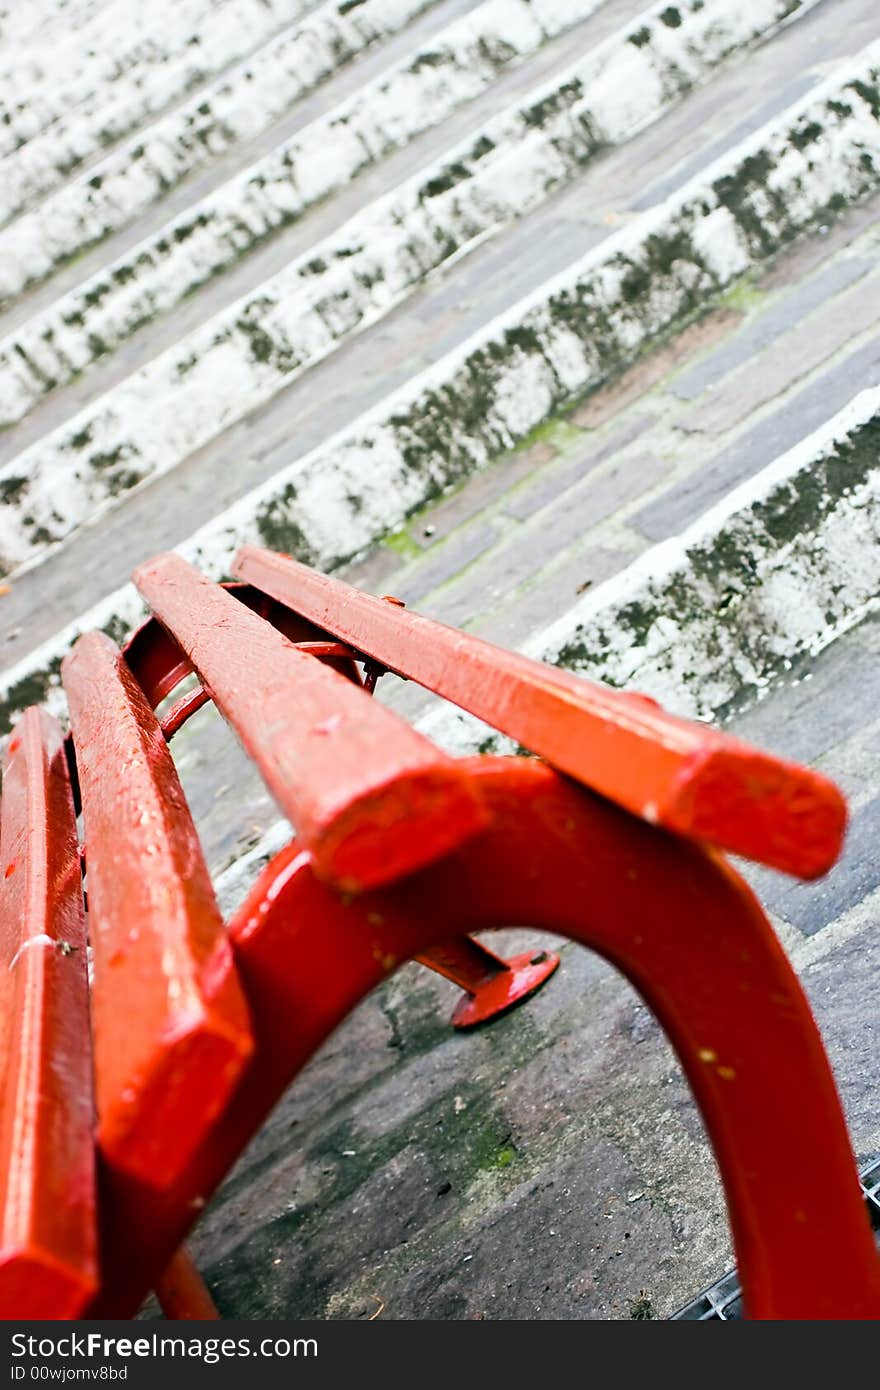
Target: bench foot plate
x,y
524,975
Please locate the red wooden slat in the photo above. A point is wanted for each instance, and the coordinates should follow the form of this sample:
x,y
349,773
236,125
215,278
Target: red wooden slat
x,y
370,798
684,776
171,1033
48,1228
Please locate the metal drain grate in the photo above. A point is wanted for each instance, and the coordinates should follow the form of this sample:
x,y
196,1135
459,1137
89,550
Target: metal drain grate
x,y
722,1301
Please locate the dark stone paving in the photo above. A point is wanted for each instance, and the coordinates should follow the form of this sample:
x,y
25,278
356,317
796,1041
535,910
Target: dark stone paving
x,y
842,989
486,1176
769,326
760,445
467,545
804,721
552,484
762,113
838,706
562,524
528,610
523,538
836,326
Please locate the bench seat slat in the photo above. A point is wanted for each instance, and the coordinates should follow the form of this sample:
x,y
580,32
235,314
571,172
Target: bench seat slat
x,y
171,1030
48,1224
370,798
672,772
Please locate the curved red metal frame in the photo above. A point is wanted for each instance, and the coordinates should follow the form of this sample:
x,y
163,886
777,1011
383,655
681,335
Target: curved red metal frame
x,y
182,1292
673,917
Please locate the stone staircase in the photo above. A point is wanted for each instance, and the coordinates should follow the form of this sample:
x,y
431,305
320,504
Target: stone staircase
x,y
559,319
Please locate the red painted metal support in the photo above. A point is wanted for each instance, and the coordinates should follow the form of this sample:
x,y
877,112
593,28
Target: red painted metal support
x,y
371,798
182,710
182,1292
673,917
48,1223
170,1026
402,853
492,985
671,772
189,704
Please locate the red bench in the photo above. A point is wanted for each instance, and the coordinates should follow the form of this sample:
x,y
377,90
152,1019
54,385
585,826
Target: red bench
x,y
611,836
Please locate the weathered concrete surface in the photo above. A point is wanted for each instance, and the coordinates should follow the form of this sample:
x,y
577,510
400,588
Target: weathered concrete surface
x,y
441,316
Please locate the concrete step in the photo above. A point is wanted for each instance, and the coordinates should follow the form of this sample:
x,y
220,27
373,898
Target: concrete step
x,y
245,518
568,509
331,94
507,166
21,24
774,573
246,100
708,622
259,346
122,64
454,66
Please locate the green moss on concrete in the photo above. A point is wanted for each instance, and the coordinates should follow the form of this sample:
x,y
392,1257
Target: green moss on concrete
x,y
457,1143
557,431
107,459
742,296
116,629
807,134
561,99
443,181
279,530
714,588
263,347
870,94
402,543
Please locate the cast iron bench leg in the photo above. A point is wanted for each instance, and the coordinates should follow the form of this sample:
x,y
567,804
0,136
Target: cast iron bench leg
x,y
182,1292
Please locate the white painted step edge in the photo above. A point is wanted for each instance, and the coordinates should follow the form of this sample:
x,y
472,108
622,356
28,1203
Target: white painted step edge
x,y
500,172
482,398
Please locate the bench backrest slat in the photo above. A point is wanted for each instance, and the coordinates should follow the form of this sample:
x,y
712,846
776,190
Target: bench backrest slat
x,y
370,798
171,1032
672,772
48,1225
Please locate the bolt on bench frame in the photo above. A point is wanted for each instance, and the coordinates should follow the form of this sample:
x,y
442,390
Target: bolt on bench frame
x,y
400,852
